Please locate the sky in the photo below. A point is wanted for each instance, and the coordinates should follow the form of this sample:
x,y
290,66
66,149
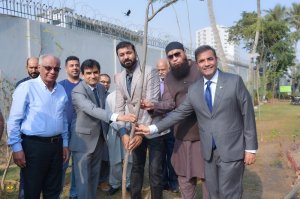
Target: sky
x,y
164,25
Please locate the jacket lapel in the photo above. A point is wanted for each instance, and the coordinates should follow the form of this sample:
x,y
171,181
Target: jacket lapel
x,y
89,92
220,88
135,80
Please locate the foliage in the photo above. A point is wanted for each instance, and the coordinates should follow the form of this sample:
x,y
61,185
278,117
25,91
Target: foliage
x,y
279,30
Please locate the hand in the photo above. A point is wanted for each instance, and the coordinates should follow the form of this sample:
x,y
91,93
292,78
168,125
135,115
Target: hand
x,y
147,105
135,142
127,118
125,141
66,154
249,158
19,158
141,129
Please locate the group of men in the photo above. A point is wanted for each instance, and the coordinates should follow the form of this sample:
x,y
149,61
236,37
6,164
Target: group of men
x,y
195,121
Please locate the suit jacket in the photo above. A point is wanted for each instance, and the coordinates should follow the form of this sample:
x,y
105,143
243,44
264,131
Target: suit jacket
x,y
90,121
150,91
231,123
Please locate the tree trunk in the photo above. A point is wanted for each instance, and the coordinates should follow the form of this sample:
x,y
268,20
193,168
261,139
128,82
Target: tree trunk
x,y
217,38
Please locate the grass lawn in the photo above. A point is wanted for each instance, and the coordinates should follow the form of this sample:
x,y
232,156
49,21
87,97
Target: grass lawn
x,y
278,126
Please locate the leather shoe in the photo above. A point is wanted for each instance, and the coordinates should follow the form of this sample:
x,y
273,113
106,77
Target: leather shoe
x,y
175,190
104,186
112,191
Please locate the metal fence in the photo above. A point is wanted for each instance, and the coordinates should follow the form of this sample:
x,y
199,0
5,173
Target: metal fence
x,y
65,17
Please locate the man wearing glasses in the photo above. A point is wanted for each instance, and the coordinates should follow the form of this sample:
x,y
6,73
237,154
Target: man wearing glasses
x,y
38,131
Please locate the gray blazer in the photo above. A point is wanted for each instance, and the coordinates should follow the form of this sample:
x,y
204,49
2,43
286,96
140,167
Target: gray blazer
x,y
89,120
231,123
150,91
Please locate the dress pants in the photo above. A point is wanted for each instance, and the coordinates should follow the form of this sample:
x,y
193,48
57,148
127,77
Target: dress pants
x,y
156,149
170,177
115,175
87,171
43,171
224,180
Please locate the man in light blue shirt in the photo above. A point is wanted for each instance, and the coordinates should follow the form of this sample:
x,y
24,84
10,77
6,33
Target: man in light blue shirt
x,y
37,130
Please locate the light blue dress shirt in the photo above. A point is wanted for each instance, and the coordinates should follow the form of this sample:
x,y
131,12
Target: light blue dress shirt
x,y
37,111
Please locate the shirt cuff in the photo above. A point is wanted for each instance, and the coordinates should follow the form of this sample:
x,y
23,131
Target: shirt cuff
x,y
122,131
251,151
16,147
114,117
153,129
65,143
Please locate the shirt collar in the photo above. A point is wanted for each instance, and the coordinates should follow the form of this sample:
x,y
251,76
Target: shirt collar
x,y
92,88
43,85
214,79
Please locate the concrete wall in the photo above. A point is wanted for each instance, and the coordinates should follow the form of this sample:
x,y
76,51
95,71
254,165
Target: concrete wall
x,y
21,38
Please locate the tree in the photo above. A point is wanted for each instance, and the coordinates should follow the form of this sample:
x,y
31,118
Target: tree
x,y
274,45
148,18
215,31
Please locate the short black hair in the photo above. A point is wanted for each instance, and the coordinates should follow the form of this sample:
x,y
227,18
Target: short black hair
x,y
106,75
125,44
89,63
204,48
71,58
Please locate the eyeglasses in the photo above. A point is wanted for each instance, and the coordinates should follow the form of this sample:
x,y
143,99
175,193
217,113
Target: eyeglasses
x,y
174,55
49,68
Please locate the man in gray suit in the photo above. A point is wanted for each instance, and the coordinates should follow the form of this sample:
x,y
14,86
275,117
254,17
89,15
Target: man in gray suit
x,y
226,119
128,86
89,129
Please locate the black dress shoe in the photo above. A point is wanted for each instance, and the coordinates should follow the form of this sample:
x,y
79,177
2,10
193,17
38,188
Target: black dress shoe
x,y
112,191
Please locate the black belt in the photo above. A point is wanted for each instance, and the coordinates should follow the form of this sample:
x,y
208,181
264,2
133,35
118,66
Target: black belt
x,y
53,139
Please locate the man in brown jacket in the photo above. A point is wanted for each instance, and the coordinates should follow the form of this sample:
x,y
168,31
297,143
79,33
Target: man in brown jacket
x,y
187,158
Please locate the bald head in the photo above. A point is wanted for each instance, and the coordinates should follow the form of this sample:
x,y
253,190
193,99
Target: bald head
x,y
162,67
32,67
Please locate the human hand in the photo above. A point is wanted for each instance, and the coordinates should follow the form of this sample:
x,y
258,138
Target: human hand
x,y
249,158
141,129
127,118
19,158
147,105
125,141
135,142
66,154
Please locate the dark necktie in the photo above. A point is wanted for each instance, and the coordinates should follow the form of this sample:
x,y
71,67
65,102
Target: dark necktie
x,y
208,99
128,82
96,96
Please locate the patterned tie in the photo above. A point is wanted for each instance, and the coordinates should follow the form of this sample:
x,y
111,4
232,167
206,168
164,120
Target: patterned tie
x,y
162,87
96,96
208,100
128,82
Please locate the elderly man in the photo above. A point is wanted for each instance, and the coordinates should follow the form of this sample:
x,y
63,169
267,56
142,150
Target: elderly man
x,y
37,130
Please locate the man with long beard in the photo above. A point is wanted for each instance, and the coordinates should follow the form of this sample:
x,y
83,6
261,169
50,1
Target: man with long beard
x,y
187,158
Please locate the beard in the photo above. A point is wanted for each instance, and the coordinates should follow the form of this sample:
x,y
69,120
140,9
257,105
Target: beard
x,y
33,75
181,71
129,65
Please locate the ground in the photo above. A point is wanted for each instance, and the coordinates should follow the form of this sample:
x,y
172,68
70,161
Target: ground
x,y
271,177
